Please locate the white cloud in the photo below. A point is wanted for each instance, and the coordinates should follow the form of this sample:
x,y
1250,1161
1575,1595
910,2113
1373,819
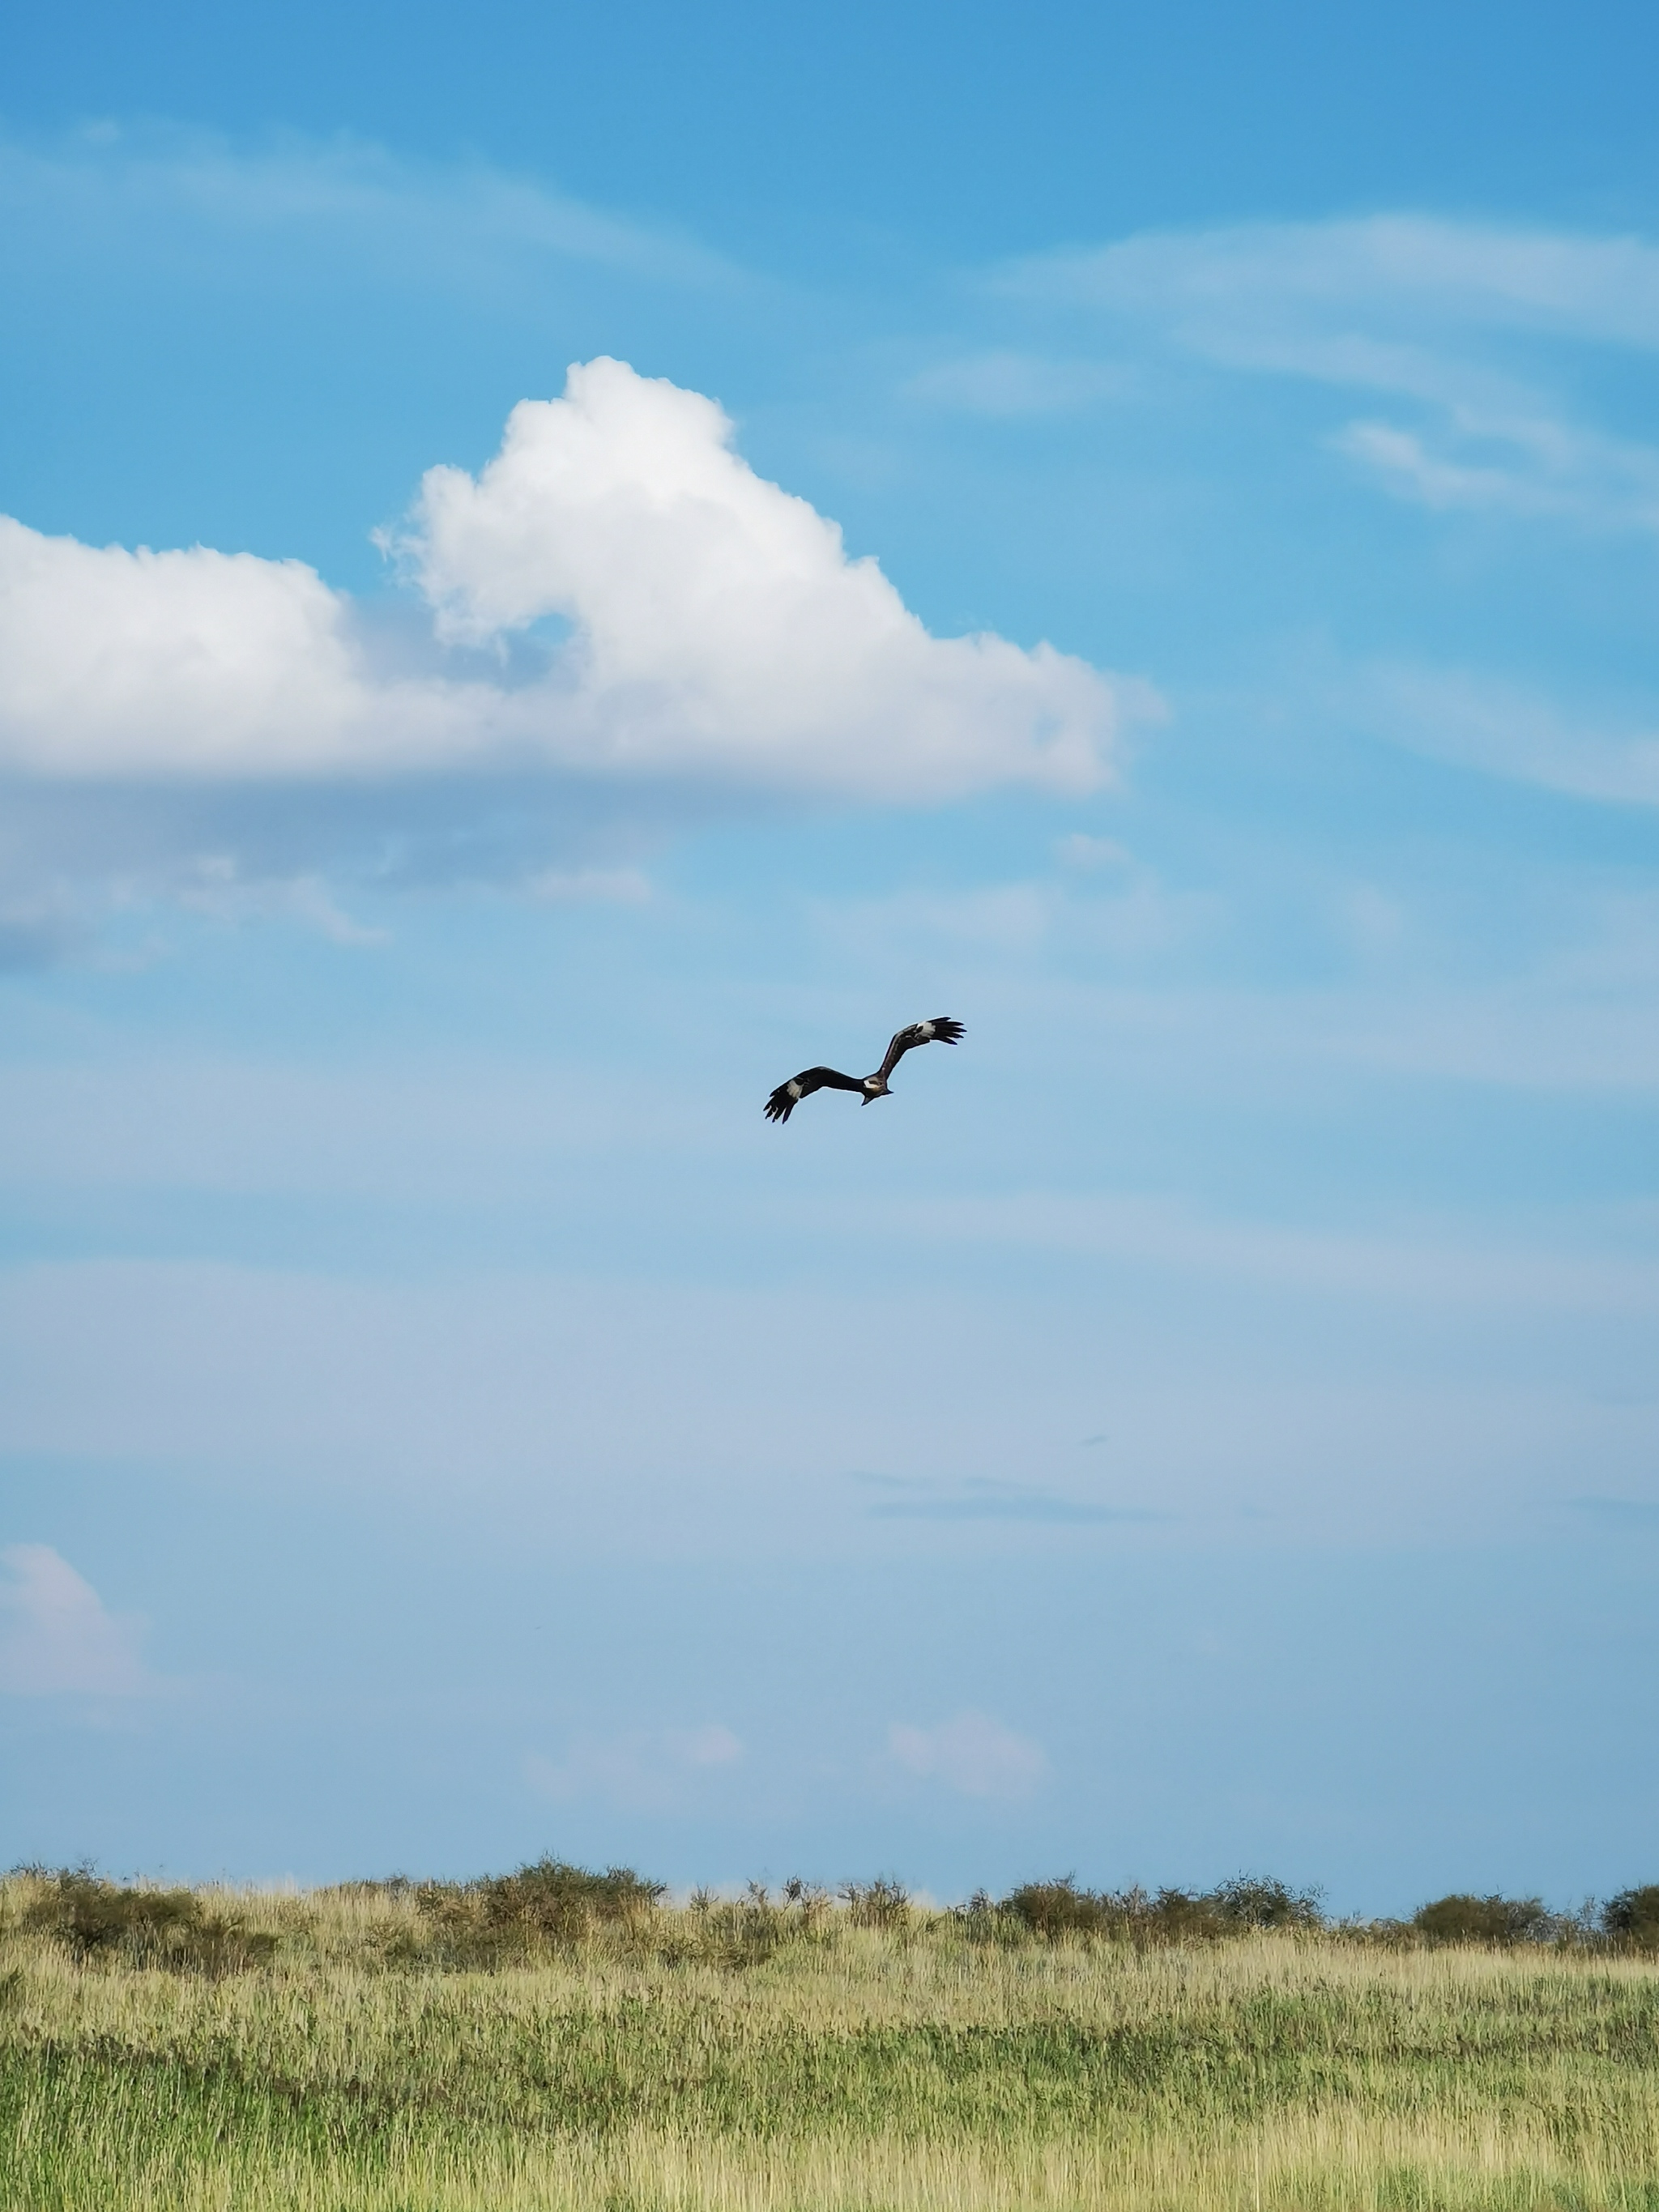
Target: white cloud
x,y
646,1769
294,205
1435,312
1506,729
217,884
1133,918
1431,1269
1261,291
1515,464
1010,383
716,631
198,664
972,1755
1082,852
55,1635
719,624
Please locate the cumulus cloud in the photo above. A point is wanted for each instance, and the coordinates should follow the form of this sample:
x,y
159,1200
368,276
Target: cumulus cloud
x,y
718,622
711,627
194,664
55,1634
972,1755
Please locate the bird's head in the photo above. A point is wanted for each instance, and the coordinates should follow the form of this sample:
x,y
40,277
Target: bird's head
x,y
874,1088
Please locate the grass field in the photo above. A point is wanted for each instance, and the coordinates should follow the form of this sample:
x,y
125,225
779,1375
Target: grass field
x,y
787,2058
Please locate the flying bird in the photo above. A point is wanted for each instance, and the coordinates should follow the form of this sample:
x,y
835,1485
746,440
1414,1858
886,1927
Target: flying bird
x,y
787,1095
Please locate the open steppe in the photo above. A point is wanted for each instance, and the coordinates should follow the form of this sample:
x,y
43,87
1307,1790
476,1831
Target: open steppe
x,y
387,2048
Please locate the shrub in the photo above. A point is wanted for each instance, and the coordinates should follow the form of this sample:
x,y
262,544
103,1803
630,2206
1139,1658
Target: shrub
x,y
1633,1915
549,1901
168,1928
1061,1908
879,1904
1257,1901
1174,1915
563,1903
1463,1919
745,1931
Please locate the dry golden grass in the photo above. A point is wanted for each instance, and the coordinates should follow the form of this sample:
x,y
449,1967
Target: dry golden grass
x,y
778,2062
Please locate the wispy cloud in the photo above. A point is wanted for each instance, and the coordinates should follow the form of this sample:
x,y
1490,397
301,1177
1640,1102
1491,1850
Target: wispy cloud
x,y
1507,729
972,1755
914,1497
463,226
575,886
1276,293
1172,1235
1464,321
57,1638
1511,464
1129,914
643,1770
219,885
1011,384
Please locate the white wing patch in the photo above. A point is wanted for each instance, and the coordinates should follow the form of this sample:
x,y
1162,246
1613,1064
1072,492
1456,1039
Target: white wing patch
x,y
793,1089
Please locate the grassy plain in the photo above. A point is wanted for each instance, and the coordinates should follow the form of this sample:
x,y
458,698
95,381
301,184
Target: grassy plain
x,y
751,2058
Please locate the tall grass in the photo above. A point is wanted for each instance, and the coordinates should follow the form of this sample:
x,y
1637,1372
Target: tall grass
x,y
789,2056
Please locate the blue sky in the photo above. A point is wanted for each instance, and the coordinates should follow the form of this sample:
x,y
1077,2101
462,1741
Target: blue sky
x,y
1141,532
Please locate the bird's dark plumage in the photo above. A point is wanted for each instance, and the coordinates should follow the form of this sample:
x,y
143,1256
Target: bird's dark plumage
x,y
940,1030
787,1095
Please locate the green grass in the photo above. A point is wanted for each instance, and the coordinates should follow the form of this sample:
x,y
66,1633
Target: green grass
x,y
787,2060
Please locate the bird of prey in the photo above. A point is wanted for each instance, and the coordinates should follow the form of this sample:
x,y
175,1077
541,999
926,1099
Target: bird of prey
x,y
787,1095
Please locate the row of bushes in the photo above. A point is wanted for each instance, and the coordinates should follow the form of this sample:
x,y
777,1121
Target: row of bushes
x,y
1168,1916
1630,1920
550,1905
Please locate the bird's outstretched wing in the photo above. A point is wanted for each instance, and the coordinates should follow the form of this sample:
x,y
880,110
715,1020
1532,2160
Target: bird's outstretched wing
x,y
787,1095
940,1030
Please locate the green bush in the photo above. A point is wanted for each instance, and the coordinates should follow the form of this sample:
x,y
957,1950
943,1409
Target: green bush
x,y
1060,1908
879,1904
549,1902
556,1901
1257,1901
1463,1919
1633,1915
167,1928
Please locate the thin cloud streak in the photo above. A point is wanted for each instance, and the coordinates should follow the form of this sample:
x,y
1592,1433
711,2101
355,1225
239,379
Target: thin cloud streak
x,y
1431,310
1171,1236
1484,721
463,226
1256,292
978,1498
